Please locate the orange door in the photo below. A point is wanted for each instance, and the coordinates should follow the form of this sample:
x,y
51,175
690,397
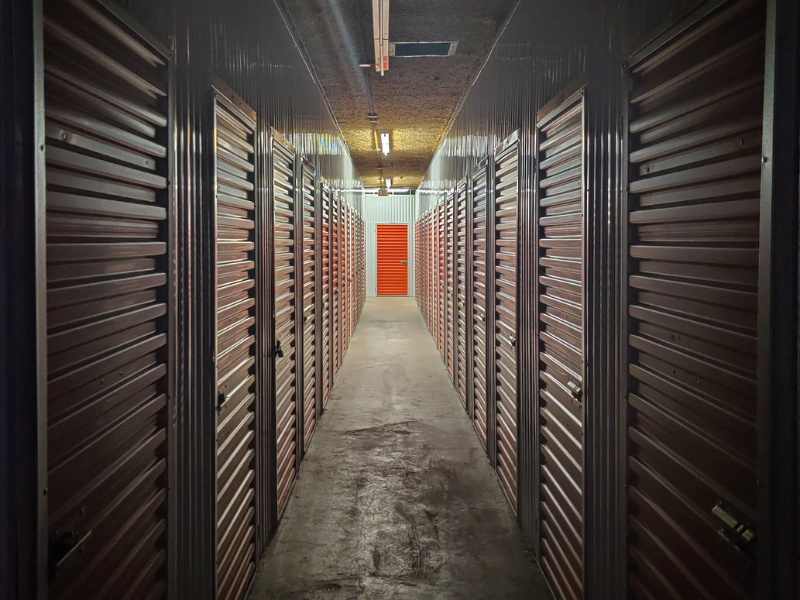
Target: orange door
x,y
392,260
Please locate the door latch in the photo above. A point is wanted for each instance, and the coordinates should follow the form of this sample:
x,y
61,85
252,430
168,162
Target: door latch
x,y
403,262
64,547
575,390
735,532
278,350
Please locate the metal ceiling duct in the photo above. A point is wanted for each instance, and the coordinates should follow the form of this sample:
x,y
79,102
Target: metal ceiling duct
x,y
380,34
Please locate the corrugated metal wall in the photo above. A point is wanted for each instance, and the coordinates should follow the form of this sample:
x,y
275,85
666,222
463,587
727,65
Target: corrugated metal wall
x,y
387,209
248,47
546,51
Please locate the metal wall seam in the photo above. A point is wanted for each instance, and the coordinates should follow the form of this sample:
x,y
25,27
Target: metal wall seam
x,y
778,336
23,282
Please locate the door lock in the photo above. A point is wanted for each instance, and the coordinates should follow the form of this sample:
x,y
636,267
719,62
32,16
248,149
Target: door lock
x,y
735,532
575,389
403,262
278,350
64,547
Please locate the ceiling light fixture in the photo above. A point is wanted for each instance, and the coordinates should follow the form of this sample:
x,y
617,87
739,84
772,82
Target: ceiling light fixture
x,y
388,183
380,34
385,147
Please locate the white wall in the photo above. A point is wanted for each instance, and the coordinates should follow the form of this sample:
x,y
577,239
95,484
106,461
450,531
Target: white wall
x,y
393,209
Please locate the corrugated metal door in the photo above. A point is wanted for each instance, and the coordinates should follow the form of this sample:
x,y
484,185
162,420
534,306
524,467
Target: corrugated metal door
x,y
441,275
432,285
478,248
336,318
450,229
430,272
505,307
344,274
327,363
350,275
693,209
561,324
461,291
309,256
108,301
286,298
419,293
392,257
236,346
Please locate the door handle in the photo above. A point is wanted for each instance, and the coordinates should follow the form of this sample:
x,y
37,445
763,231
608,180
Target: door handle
x,y
64,547
278,350
575,389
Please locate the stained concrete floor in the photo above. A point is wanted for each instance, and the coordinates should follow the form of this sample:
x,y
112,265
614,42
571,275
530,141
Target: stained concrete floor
x,y
395,498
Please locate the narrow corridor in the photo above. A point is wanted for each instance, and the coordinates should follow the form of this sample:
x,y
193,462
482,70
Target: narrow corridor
x,y
395,498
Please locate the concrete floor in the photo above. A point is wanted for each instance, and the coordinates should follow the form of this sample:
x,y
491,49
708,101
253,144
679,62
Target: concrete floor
x,y
396,498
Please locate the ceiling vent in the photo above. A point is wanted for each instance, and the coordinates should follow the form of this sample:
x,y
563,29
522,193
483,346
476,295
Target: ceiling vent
x,y
418,49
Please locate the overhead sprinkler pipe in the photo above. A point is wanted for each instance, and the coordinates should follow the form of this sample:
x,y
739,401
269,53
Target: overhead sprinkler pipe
x,y
380,34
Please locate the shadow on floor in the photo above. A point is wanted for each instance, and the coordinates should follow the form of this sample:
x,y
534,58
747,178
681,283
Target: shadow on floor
x,y
396,498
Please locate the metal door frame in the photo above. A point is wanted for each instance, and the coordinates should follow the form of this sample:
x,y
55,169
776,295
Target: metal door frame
x,y
502,147
777,394
275,513
221,94
319,313
491,320
568,97
469,283
299,309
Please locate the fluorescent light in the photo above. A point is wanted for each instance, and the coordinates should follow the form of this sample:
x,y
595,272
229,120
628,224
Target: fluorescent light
x,y
385,142
388,183
380,34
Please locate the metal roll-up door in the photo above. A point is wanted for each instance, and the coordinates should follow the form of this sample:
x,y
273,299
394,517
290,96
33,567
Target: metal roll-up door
x,y
310,279
506,201
430,272
327,364
351,275
343,275
434,275
286,298
336,319
450,248
441,278
419,270
235,308
561,325
461,291
428,267
478,352
109,303
695,120
417,256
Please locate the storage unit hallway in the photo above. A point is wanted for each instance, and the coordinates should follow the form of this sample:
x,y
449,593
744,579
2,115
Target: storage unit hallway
x,y
396,498
399,299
